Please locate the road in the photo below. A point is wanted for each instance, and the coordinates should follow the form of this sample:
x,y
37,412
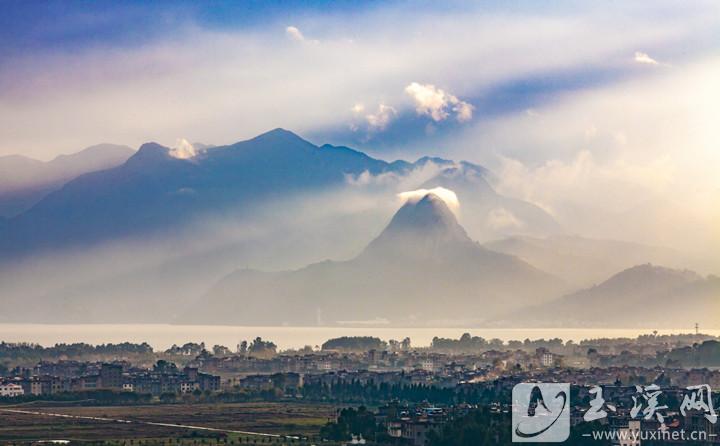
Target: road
x,y
148,423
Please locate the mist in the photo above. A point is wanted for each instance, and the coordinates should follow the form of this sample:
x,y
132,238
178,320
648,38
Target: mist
x,y
156,277
165,276
582,140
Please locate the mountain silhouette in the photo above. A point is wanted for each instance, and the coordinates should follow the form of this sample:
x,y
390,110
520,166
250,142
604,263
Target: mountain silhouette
x,y
422,269
154,192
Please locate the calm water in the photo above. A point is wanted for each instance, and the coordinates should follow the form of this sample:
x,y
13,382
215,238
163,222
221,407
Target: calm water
x,y
163,336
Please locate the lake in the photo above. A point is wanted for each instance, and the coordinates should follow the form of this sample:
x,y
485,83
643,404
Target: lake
x,y
162,336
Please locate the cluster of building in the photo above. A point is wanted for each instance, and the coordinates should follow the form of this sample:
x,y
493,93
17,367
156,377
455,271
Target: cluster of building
x,y
205,372
497,371
48,378
374,360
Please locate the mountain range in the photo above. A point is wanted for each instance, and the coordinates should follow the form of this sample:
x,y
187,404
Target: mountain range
x,y
153,190
423,269
110,235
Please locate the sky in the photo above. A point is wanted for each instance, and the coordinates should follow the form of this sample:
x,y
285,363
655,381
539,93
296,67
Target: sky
x,y
609,103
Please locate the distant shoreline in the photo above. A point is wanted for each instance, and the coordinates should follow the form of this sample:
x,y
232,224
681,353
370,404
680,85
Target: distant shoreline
x,y
162,336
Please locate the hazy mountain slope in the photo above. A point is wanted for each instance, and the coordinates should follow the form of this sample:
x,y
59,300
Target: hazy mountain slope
x,y
642,296
487,214
24,181
583,261
422,269
154,191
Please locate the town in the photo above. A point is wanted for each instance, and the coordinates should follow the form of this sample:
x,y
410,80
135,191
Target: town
x,y
417,392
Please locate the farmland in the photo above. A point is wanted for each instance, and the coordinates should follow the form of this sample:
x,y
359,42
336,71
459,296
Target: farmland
x,y
165,423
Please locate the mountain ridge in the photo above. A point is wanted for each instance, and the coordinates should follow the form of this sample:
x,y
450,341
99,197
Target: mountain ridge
x,y
585,261
153,191
662,297
421,268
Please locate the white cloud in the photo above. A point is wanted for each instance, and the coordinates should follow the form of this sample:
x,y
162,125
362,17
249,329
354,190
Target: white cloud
x,y
446,195
183,149
632,160
438,104
294,33
428,100
558,185
376,121
644,58
400,182
463,111
379,120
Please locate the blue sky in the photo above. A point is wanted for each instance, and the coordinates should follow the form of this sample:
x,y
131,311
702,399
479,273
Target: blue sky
x,y
64,25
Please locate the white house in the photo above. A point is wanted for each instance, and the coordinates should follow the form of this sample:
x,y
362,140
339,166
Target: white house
x,y
11,390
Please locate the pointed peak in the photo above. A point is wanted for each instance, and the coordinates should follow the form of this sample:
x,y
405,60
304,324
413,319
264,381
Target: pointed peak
x,y
278,131
433,159
150,147
427,203
648,270
150,151
432,199
422,228
447,196
279,135
426,215
428,211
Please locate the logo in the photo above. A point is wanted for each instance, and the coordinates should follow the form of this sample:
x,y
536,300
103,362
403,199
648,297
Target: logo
x,y
540,412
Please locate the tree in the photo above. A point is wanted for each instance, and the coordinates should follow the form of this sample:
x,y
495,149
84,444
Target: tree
x,y
165,367
221,350
351,422
262,348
